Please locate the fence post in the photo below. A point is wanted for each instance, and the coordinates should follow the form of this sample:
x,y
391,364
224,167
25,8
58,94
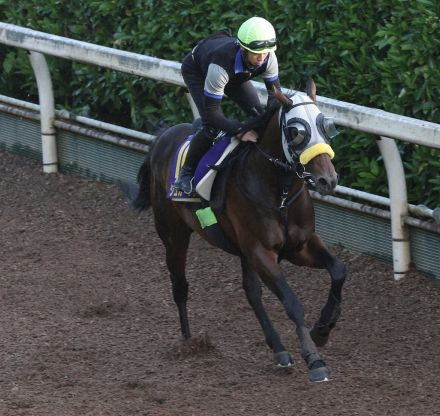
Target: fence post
x,y
47,112
398,205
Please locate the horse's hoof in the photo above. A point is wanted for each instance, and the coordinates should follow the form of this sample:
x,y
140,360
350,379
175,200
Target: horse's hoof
x,y
319,337
283,359
318,375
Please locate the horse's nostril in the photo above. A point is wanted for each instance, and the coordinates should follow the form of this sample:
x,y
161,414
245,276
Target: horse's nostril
x,y
325,184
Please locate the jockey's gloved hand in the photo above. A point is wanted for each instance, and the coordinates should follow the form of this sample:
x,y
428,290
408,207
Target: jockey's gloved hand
x,y
242,130
252,122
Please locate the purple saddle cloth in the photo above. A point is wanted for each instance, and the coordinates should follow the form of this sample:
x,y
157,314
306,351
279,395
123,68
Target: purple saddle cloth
x,y
210,158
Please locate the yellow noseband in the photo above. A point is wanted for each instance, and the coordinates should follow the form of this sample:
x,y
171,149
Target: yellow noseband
x,y
316,150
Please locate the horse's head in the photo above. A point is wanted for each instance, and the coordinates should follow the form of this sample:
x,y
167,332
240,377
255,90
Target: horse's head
x,y
305,136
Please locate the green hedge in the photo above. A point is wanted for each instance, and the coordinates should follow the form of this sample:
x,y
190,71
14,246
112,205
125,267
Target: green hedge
x,y
381,54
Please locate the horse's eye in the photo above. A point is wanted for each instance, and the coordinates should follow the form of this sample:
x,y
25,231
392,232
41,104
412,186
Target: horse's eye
x,y
297,133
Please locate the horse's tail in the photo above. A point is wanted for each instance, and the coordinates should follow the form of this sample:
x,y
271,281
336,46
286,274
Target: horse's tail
x,y
142,200
138,195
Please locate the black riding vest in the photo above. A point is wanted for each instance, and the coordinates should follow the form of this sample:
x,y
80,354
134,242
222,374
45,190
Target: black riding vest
x,y
222,50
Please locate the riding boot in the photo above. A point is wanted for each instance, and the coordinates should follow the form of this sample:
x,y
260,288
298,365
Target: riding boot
x,y
199,145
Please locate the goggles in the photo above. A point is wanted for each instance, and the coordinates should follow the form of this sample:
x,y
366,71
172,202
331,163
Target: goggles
x,y
258,45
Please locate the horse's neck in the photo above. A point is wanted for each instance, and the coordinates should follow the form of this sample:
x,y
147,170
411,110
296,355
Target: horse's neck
x,y
269,144
271,139
258,171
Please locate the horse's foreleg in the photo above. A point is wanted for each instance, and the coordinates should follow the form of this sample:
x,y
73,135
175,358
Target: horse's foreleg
x,y
266,265
176,241
252,288
315,254
332,309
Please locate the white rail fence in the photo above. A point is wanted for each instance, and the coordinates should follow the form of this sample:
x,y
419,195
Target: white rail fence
x,y
385,125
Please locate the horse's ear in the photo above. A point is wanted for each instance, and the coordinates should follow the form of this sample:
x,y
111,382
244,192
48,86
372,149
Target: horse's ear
x,y
311,89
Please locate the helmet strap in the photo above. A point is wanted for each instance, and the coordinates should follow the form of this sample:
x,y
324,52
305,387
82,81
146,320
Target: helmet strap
x,y
244,55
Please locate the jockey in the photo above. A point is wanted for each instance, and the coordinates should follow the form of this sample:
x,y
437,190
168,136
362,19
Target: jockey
x,y
222,65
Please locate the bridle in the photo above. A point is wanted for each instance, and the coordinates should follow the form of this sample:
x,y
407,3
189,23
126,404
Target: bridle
x,y
297,168
294,167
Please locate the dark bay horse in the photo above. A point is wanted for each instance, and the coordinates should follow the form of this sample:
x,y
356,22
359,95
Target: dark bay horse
x,y
267,215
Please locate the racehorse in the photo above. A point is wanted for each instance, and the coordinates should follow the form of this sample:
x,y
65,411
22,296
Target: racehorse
x,y
267,215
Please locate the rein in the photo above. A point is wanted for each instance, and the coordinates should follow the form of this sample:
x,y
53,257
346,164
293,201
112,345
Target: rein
x,y
285,200
298,168
289,172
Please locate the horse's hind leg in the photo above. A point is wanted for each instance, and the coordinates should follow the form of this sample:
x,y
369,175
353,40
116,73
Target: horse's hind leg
x,y
175,235
252,287
316,255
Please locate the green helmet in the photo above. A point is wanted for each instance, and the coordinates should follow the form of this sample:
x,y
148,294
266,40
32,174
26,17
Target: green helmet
x,y
257,35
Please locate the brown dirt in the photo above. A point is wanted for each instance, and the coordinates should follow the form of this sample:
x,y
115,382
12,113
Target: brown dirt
x,y
89,327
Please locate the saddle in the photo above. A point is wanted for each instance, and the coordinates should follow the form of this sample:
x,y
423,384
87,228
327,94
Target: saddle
x,y
205,174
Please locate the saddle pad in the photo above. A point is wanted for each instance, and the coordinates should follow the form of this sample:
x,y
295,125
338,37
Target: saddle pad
x,y
204,178
204,175
179,159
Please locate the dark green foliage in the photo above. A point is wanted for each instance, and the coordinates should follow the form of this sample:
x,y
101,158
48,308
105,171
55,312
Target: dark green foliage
x,y
381,54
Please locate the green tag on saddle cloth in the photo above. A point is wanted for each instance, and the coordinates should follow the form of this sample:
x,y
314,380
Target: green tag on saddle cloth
x,y
206,217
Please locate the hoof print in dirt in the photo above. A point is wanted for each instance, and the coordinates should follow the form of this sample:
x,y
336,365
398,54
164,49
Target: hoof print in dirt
x,y
194,346
104,309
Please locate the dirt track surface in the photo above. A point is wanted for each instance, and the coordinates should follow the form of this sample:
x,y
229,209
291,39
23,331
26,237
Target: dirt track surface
x,y
89,327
